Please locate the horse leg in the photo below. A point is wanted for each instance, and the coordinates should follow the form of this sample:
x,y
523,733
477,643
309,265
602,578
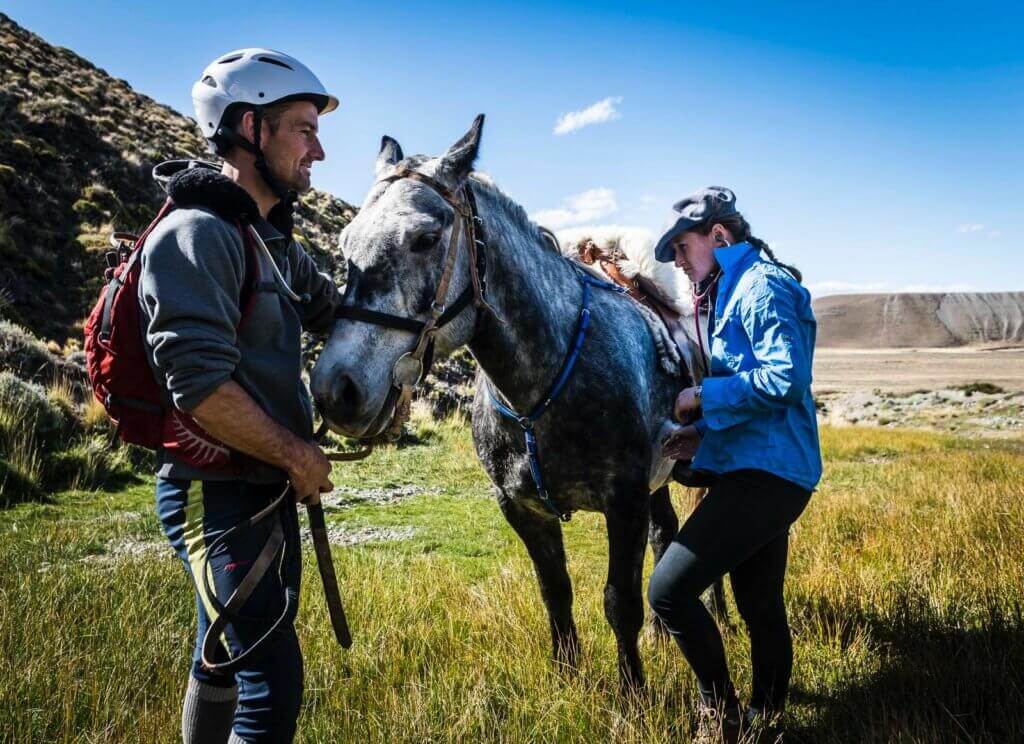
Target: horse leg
x,y
542,535
627,518
664,526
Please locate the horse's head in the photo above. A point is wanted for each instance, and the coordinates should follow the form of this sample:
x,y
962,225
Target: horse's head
x,y
396,248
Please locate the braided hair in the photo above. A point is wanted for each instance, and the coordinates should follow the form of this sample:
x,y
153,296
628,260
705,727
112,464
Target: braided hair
x,y
740,229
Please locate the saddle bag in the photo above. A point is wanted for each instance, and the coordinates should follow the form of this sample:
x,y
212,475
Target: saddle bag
x,y
118,366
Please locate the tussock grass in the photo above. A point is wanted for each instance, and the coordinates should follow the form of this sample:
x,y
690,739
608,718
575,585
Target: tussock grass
x,y
905,590
50,441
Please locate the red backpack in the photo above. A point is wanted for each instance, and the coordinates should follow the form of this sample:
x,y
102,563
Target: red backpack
x,y
117,362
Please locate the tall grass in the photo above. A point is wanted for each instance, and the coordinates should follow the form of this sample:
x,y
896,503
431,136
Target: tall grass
x,y
50,441
905,590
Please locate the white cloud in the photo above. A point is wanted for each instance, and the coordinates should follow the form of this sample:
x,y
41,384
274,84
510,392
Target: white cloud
x,y
585,207
597,113
973,228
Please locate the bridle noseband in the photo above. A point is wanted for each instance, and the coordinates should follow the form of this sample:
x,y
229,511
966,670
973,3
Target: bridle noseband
x,y
413,366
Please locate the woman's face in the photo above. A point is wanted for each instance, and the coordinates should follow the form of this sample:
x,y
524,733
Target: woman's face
x,y
695,254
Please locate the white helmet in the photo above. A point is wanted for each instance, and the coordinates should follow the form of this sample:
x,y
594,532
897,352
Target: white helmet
x,y
257,77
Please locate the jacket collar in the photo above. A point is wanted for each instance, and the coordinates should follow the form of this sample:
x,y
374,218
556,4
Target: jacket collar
x,y
194,183
266,231
734,256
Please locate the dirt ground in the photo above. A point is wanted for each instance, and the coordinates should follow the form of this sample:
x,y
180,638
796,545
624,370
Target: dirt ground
x,y
901,370
928,388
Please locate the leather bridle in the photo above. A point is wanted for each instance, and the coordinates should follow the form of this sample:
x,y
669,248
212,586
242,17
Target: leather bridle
x,y
413,366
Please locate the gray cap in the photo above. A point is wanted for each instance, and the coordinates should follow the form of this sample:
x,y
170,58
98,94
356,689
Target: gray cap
x,y
706,205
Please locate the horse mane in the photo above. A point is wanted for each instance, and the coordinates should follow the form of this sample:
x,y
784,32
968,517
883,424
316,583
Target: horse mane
x,y
513,209
486,185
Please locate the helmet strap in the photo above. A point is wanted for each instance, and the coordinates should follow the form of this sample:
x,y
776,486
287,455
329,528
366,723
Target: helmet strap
x,y
280,190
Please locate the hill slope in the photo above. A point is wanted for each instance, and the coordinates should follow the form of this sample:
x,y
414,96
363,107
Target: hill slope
x,y
76,150
920,320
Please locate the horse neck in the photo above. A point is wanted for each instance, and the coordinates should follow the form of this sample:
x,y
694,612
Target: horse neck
x,y
535,295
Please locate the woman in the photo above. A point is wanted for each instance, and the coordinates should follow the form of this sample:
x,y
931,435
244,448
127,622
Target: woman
x,y
751,427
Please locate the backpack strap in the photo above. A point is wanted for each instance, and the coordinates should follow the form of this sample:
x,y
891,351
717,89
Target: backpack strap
x,y
251,278
115,284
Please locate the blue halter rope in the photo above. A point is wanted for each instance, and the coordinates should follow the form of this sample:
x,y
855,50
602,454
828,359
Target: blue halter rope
x,y
527,421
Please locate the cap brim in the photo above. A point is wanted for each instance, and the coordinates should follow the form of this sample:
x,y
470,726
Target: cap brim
x,y
664,252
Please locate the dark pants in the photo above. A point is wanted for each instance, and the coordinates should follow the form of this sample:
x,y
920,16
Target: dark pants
x,y
740,528
270,683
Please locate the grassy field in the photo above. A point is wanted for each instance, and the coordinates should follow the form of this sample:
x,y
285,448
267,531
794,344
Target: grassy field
x,y
906,594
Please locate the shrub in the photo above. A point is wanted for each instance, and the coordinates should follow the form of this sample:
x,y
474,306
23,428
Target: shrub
x,y
89,463
26,409
28,358
16,485
986,388
95,418
61,397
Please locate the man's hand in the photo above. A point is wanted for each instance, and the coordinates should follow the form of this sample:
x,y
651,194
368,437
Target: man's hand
x,y
687,404
682,445
310,474
230,414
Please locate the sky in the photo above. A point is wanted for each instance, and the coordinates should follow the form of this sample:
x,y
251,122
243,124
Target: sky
x,y
877,146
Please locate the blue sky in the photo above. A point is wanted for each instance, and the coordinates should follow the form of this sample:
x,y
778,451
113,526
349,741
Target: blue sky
x,y
876,146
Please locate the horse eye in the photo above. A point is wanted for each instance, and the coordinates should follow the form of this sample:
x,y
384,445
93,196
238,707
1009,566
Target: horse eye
x,y
424,242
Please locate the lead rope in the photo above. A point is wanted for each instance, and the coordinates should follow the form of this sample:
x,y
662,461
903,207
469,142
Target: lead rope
x,y
276,543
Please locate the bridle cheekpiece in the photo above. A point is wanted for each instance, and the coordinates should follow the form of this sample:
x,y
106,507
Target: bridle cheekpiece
x,y
413,366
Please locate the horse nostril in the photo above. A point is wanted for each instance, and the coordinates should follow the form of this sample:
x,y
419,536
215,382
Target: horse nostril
x,y
345,397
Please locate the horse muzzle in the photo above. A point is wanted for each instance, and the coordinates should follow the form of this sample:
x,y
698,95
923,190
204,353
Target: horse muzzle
x,y
347,408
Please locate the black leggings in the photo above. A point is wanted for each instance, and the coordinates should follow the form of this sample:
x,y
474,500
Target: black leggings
x,y
740,528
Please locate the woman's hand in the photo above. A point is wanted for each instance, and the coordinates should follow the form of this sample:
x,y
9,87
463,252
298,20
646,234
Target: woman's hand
x,y
682,445
687,403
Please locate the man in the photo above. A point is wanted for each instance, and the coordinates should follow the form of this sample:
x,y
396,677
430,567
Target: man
x,y
223,314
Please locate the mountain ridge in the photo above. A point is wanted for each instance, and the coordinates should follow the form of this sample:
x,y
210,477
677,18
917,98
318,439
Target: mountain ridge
x,y
936,320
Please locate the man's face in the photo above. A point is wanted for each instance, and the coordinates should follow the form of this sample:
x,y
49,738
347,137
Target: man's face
x,y
291,149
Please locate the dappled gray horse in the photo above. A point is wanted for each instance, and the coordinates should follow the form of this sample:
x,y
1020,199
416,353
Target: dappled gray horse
x,y
599,439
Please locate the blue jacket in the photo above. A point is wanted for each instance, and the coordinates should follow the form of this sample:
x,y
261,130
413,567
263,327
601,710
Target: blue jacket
x,y
757,404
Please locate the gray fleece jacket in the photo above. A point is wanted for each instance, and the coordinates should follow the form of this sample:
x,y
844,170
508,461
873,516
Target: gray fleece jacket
x,y
193,271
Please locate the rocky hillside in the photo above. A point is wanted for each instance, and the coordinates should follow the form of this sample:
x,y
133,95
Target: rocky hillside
x,y
921,320
76,150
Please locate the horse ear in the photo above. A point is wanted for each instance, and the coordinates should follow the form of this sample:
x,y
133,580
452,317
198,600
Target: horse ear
x,y
458,161
390,154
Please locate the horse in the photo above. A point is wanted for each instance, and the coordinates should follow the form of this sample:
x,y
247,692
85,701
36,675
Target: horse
x,y
440,258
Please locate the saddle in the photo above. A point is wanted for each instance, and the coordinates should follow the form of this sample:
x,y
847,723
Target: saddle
x,y
641,289
609,260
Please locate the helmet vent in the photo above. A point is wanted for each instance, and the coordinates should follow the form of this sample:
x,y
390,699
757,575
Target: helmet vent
x,y
209,81
232,58
273,61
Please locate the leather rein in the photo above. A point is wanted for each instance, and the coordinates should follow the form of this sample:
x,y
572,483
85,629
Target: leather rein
x,y
413,366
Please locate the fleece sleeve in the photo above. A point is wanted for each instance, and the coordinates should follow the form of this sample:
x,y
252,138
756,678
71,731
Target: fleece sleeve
x,y
324,297
770,319
192,272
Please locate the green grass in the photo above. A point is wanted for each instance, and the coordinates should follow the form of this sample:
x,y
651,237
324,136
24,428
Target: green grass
x,y
905,590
